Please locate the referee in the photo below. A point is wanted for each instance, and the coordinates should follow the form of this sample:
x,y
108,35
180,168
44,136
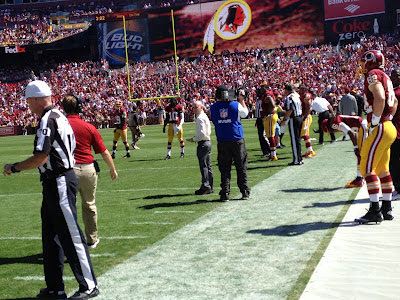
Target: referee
x,y
53,156
294,116
260,124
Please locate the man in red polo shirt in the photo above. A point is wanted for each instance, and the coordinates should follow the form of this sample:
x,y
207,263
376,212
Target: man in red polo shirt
x,y
87,137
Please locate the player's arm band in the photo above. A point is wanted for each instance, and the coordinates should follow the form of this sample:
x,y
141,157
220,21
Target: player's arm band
x,y
375,120
355,147
13,169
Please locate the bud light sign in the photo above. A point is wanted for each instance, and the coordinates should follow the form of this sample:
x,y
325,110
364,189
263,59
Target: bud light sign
x,y
112,41
114,46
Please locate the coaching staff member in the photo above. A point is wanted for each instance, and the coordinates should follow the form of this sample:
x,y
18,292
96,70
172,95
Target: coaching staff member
x,y
225,116
294,116
324,110
87,136
203,139
53,156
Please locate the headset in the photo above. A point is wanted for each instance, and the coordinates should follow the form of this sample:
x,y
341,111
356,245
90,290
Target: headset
x,y
78,107
222,93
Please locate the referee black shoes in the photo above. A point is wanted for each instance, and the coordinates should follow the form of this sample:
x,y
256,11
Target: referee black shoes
x,y
46,293
85,295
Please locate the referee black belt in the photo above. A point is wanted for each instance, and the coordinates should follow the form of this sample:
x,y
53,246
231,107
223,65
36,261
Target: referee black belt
x,y
50,175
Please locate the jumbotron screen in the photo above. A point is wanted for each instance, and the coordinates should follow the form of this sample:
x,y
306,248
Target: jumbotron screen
x,y
214,27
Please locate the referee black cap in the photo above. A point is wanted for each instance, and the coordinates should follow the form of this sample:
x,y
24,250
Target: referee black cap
x,y
289,87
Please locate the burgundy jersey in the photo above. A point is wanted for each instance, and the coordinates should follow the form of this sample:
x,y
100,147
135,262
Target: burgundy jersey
x,y
267,108
396,117
306,103
174,113
351,121
374,77
120,118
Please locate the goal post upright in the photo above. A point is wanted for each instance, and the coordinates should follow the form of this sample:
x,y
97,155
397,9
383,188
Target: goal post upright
x,y
175,60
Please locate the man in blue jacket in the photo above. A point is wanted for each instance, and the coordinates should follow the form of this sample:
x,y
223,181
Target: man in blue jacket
x,y
226,115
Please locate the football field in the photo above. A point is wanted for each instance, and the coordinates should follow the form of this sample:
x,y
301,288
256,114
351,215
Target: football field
x,y
160,241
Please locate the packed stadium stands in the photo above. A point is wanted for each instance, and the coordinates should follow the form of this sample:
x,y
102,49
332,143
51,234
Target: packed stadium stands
x,y
324,68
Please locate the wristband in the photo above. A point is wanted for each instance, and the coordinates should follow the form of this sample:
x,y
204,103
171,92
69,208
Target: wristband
x,y
355,147
13,169
375,120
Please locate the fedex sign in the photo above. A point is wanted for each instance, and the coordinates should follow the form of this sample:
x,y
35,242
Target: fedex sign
x,y
15,49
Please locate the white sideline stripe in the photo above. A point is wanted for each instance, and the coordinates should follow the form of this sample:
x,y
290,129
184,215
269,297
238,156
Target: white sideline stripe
x,y
151,223
128,237
173,211
41,278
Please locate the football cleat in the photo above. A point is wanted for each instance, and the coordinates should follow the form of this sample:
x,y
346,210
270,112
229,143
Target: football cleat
x,y
272,158
386,210
371,216
127,155
167,157
355,183
113,156
182,155
395,195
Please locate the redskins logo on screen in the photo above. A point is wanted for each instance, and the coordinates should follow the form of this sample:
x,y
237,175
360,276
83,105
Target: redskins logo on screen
x,y
231,21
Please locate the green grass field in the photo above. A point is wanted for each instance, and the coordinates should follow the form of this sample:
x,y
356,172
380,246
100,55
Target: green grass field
x,y
130,209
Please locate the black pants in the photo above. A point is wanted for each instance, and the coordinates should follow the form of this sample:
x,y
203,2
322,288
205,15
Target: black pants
x,y
394,164
204,156
261,137
321,117
295,137
61,234
236,151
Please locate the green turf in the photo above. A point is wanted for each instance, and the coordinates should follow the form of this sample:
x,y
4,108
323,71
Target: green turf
x,y
147,187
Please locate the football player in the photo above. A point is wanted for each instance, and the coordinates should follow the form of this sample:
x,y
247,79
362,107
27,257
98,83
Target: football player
x,y
120,130
375,151
356,127
270,119
175,118
394,164
306,104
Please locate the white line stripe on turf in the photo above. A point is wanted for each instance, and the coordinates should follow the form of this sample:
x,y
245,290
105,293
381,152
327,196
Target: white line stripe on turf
x,y
103,254
131,237
173,211
151,223
125,190
41,278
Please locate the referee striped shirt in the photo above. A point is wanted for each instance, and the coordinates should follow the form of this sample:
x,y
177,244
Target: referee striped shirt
x,y
55,138
258,108
293,102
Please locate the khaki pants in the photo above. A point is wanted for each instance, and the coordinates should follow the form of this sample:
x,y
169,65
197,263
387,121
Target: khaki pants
x,y
87,179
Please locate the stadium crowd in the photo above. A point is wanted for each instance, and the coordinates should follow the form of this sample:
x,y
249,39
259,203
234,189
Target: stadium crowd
x,y
324,68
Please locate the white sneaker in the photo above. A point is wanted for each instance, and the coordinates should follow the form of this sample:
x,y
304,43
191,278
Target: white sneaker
x,y
92,246
395,195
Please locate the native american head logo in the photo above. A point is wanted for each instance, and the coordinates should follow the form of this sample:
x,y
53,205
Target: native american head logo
x,y
231,21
